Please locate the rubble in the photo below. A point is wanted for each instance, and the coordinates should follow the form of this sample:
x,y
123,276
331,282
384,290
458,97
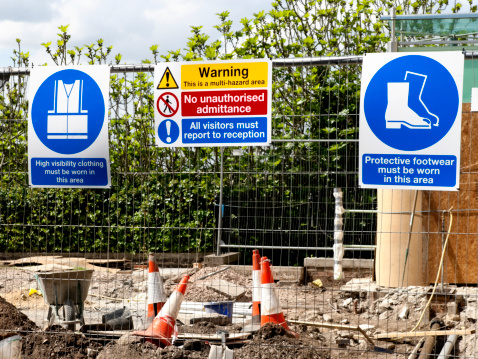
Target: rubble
x,y
359,302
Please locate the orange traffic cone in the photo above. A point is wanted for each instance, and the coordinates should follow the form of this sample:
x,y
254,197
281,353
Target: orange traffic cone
x,y
270,307
256,286
162,328
156,296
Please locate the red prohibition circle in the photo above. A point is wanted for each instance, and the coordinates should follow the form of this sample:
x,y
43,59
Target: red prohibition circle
x,y
165,103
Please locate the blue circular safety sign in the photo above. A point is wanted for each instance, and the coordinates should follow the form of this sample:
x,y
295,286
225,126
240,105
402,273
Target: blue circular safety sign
x,y
168,131
68,112
411,103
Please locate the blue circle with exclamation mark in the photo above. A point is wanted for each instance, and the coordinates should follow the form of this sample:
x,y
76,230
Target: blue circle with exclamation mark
x,y
168,131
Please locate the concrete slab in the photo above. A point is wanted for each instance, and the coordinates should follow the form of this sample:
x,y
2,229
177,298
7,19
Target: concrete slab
x,y
347,263
230,290
227,258
198,317
279,273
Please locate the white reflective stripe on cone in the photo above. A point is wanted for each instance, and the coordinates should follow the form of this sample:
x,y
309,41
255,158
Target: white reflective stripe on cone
x,y
256,285
269,301
172,306
155,288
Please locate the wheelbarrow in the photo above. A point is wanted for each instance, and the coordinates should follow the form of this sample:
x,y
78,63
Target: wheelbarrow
x,y
66,290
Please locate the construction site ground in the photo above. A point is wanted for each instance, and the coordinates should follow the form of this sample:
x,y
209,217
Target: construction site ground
x,y
343,305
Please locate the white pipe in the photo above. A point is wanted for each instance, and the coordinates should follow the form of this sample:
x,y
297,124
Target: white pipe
x,y
338,234
449,345
414,353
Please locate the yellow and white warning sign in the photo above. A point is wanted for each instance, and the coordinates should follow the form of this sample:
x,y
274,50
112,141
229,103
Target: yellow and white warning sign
x,y
213,103
238,74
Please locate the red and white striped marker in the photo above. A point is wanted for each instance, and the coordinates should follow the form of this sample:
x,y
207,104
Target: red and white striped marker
x,y
156,296
271,311
256,286
161,330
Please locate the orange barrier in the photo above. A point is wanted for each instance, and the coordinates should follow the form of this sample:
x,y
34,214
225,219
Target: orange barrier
x,y
271,311
156,296
256,286
161,330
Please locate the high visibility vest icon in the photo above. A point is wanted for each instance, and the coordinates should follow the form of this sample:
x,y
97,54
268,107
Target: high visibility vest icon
x,y
68,120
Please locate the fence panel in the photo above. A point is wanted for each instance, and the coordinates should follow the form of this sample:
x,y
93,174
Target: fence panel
x,y
277,199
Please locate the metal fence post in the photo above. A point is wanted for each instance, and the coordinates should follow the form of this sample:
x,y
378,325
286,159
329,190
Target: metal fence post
x,y
219,221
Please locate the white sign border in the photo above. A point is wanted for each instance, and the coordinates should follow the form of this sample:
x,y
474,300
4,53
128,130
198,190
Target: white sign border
x,y
159,70
450,144
101,75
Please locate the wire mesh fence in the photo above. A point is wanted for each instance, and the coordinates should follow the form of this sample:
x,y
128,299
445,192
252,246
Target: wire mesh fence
x,y
277,199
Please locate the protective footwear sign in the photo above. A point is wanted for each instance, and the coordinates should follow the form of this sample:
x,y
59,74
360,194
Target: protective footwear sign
x,y
214,103
68,127
410,120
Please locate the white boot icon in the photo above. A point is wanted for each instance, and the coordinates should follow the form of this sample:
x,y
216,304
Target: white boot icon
x,y
399,113
432,117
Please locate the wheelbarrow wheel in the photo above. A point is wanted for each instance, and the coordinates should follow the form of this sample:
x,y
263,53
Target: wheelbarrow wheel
x,y
69,314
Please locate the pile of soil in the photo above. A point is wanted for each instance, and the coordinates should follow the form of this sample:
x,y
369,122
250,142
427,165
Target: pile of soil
x,y
136,348
11,319
65,345
273,341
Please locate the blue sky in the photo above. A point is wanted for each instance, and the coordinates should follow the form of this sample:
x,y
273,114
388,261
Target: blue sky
x,y
130,26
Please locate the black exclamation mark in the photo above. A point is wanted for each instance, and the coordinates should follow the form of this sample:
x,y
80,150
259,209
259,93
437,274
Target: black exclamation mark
x,y
167,79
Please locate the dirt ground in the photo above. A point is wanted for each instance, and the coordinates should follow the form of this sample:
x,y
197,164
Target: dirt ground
x,y
273,341
376,309
58,345
11,319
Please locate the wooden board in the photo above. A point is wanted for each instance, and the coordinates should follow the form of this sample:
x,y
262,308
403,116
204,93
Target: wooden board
x,y
461,257
432,333
336,326
212,337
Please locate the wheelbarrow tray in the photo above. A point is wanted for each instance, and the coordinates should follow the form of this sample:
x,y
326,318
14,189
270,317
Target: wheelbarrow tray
x,y
58,286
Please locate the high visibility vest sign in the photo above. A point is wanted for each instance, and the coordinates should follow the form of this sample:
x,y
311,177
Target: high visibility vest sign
x,y
214,103
68,127
410,120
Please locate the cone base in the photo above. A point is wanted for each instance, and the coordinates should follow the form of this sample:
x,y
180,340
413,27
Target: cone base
x,y
154,338
256,310
277,319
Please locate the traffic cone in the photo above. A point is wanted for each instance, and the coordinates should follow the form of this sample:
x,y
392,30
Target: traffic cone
x,y
156,296
162,328
270,306
256,286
